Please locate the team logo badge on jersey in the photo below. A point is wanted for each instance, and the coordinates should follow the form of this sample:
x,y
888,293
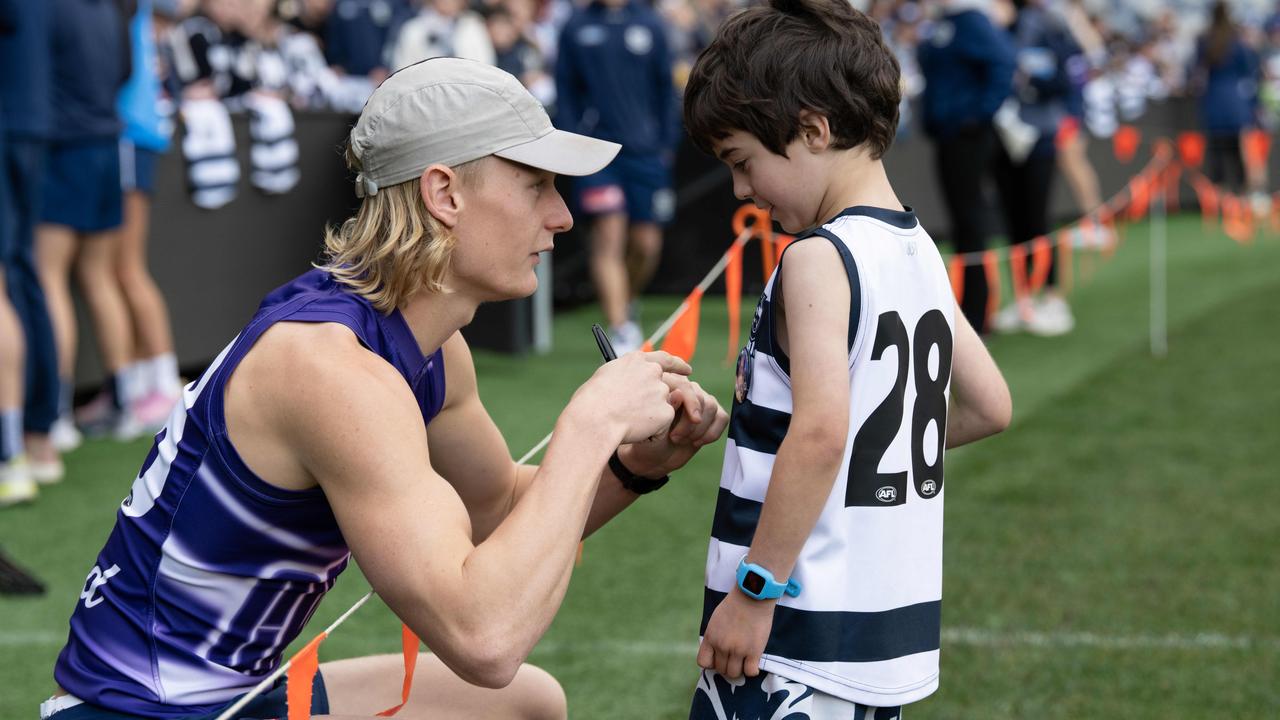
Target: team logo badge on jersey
x,y
742,379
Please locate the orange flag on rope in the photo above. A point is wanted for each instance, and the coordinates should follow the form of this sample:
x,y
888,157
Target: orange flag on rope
x,y
409,646
682,339
1041,261
301,673
1172,177
1207,196
733,298
1125,143
1191,149
646,347
1139,197
991,264
1257,146
1237,219
1018,274
1064,261
956,271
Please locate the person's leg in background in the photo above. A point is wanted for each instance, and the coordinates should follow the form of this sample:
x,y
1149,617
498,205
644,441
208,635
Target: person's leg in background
x,y
24,163
16,483
55,253
650,206
602,198
1052,314
154,366
95,270
962,162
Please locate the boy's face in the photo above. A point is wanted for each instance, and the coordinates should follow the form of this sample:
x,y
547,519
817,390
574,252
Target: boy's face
x,y
790,187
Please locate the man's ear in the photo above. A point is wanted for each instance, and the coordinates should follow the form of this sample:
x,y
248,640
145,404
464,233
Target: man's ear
x,y
815,131
440,188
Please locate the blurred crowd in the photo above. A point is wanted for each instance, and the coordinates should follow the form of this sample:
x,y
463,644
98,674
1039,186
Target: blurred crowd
x,y
103,83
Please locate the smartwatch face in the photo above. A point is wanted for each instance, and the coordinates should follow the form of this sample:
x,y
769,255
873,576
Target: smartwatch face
x,y
753,582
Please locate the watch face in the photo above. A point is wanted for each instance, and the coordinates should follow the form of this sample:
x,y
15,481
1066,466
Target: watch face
x,y
753,583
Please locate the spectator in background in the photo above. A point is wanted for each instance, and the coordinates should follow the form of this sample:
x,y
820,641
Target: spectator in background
x,y
26,119
1044,92
614,82
515,53
356,34
82,202
968,68
442,28
153,372
1227,80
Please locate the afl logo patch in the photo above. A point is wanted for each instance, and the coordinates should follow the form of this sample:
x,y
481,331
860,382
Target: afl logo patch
x,y
887,494
638,39
928,488
742,378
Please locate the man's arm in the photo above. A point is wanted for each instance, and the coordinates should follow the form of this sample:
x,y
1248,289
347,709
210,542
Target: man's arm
x,y
980,401
481,607
468,449
816,312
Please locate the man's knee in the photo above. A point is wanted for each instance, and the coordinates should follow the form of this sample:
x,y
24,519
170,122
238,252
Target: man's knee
x,y
542,698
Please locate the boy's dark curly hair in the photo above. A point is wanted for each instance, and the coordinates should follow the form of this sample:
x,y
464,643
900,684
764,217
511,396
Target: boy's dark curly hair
x,y
768,63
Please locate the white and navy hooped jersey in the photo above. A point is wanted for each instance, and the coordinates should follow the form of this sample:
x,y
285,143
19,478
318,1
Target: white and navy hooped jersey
x,y
865,627
210,571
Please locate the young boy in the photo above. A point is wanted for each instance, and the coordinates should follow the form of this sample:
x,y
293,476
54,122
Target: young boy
x,y
824,573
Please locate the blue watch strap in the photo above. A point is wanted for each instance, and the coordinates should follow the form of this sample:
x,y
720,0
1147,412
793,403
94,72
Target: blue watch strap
x,y
770,587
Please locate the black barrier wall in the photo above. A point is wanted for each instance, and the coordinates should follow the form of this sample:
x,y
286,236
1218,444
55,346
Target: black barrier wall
x,y
215,266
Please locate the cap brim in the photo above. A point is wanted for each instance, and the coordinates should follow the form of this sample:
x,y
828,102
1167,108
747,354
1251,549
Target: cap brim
x,y
564,153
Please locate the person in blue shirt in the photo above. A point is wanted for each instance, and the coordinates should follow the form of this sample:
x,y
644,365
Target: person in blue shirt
x,y
1045,96
614,81
356,34
1227,71
26,114
968,69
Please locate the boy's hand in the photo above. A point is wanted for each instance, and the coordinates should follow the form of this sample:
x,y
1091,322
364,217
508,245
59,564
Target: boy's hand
x,y
736,636
699,420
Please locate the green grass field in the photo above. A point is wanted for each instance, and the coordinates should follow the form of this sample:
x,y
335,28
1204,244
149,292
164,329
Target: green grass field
x,y
1113,555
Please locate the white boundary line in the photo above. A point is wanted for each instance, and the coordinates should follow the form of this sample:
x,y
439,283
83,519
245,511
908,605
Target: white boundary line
x,y
972,637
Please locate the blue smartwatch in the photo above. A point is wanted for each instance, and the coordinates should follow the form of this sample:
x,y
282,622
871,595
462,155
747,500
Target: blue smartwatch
x,y
757,582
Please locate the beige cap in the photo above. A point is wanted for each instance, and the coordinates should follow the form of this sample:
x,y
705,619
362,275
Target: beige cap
x,y
451,111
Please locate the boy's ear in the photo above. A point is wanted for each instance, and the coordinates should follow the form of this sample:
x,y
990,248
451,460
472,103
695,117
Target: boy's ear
x,y
815,131
439,186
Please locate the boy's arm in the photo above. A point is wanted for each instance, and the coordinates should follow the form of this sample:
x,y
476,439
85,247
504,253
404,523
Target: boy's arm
x,y
817,321
980,402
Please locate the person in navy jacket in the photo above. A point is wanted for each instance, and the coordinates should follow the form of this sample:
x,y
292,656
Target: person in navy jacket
x,y
968,68
614,81
1227,71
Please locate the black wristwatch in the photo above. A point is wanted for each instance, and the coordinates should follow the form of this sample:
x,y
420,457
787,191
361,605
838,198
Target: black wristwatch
x,y
637,484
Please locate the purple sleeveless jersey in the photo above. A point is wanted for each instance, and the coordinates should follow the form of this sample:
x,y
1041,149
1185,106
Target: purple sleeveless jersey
x,y
210,572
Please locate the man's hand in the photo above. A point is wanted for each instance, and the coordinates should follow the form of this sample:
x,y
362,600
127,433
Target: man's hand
x,y
631,394
736,636
699,420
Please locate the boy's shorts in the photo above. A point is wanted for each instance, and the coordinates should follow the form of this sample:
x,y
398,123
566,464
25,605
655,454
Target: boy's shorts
x,y
639,185
82,185
267,706
137,168
772,696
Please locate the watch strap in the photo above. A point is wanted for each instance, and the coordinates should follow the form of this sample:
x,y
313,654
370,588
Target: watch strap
x,y
637,484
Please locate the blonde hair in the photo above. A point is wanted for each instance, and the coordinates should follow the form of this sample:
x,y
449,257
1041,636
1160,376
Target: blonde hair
x,y
393,246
